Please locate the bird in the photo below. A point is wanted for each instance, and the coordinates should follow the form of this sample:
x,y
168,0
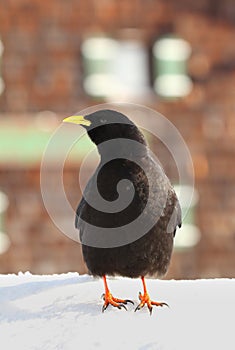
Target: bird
x,y
135,241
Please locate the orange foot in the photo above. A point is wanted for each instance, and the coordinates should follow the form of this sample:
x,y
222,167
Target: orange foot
x,y
110,300
145,299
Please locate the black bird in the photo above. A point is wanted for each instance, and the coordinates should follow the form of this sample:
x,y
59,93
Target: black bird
x,y
136,240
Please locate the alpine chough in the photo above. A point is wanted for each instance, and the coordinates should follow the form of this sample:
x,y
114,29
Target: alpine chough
x,y
124,155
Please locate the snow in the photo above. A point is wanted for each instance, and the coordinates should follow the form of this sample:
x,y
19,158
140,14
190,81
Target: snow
x,y
64,312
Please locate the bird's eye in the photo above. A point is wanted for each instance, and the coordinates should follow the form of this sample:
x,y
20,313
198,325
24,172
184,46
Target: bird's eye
x,y
103,121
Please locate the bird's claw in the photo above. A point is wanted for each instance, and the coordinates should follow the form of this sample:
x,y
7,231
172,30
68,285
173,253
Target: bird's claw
x,y
128,301
104,307
119,306
115,302
145,299
138,307
125,301
162,304
122,305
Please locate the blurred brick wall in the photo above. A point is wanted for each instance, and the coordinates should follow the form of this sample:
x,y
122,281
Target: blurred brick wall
x,y
37,244
42,67
42,71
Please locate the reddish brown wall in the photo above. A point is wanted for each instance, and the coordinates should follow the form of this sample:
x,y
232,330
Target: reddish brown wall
x,y
42,71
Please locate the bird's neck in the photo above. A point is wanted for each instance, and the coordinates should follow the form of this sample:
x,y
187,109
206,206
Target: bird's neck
x,y
124,148
119,142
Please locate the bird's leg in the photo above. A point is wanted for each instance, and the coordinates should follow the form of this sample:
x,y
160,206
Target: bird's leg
x,y
109,299
145,299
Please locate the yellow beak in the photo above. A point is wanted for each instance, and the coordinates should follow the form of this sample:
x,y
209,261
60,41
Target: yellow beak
x,y
77,119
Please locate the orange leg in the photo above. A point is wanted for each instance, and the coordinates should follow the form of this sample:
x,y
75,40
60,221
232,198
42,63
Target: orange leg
x,y
145,299
109,299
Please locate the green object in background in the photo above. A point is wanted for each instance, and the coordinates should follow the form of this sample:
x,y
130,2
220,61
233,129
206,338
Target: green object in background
x,y
98,53
4,240
1,80
170,67
26,145
3,207
189,235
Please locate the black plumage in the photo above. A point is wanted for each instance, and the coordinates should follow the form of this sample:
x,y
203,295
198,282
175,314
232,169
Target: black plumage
x,y
149,253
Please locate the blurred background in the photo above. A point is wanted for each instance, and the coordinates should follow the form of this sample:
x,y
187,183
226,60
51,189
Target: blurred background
x,y
59,57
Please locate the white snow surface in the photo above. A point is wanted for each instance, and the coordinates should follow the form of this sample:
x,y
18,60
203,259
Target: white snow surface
x,y
64,312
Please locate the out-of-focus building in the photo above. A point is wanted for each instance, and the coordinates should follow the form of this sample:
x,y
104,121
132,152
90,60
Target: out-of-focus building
x,y
47,72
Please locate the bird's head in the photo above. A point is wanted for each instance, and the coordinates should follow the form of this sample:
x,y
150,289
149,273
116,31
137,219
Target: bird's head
x,y
106,125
